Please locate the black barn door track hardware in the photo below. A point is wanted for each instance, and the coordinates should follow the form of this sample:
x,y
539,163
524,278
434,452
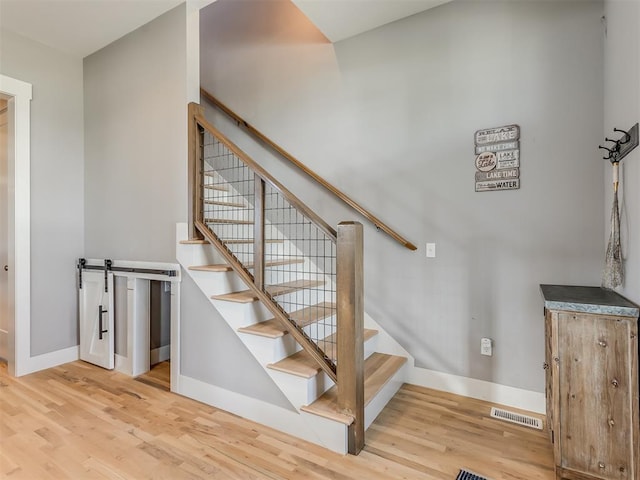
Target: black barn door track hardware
x,y
109,267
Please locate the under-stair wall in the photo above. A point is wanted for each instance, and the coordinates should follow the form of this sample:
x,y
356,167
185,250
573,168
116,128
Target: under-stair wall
x,y
258,404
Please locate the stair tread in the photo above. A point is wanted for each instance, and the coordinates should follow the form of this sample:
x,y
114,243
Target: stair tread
x,y
214,186
249,240
211,268
194,242
301,364
378,370
273,328
248,296
224,204
228,221
223,267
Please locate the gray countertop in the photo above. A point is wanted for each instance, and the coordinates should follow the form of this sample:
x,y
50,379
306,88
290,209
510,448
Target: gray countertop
x,y
588,300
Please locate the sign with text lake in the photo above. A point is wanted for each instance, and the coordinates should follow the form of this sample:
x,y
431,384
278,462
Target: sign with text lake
x,y
497,158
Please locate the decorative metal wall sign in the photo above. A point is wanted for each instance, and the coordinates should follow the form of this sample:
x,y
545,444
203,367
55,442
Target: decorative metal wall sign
x,y
498,158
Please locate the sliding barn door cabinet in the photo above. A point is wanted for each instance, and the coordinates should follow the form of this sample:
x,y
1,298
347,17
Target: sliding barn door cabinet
x,y
591,364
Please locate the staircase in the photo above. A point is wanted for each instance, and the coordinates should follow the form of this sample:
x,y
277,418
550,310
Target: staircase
x,y
291,288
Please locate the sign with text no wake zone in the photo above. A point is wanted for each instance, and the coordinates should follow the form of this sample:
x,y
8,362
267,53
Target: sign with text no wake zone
x,y
497,158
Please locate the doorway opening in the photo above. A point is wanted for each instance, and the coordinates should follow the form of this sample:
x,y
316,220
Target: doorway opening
x,y
17,242
4,227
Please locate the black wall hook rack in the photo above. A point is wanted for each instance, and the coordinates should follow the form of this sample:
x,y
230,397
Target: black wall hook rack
x,y
623,145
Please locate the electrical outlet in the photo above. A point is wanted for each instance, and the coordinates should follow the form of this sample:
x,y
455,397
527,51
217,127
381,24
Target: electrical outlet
x,y
486,347
431,250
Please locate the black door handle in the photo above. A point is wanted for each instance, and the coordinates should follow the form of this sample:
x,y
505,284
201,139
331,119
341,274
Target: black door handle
x,y
100,330
6,268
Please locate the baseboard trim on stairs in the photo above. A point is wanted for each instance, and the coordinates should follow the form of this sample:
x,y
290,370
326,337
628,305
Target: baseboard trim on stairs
x,y
480,389
273,416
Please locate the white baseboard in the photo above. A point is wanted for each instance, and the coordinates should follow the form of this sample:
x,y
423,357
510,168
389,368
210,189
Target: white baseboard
x,y
123,364
51,359
160,354
480,389
279,418
468,387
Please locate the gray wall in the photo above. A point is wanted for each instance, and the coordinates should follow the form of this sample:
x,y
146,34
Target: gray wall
x,y
160,313
622,110
57,204
389,117
208,345
135,142
135,93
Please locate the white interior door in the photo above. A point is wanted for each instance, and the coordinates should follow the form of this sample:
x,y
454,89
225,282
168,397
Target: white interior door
x,y
97,319
4,232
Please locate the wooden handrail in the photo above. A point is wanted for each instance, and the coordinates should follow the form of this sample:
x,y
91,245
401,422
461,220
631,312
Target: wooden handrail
x,y
342,196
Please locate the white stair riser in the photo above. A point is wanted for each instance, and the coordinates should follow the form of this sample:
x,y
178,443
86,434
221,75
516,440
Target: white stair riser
x,y
331,434
229,231
301,298
371,346
387,392
269,350
301,391
321,329
217,282
240,315
307,390
272,249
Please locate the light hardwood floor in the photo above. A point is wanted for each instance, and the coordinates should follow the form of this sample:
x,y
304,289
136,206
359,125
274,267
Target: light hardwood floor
x,y
78,421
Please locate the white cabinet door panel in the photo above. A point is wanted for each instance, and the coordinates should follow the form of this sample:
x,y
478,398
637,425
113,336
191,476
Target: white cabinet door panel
x,y
97,319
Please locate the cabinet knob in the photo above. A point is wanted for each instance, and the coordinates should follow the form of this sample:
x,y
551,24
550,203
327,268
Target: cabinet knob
x,y
611,422
614,382
602,343
601,465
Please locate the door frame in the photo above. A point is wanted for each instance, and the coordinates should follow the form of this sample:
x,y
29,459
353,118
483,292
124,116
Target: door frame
x,y
19,224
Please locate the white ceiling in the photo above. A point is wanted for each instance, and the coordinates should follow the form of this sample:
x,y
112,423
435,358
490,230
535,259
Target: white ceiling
x,y
340,19
81,27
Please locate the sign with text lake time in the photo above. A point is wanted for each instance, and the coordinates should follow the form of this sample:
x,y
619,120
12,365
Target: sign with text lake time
x,y
497,158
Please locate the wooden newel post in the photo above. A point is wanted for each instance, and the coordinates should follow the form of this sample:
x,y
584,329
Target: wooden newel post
x,y
350,311
195,159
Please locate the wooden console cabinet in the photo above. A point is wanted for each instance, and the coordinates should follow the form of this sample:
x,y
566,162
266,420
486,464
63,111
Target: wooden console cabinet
x,y
591,363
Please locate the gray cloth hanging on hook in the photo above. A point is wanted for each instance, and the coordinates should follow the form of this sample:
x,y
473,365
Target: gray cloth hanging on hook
x,y
613,274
